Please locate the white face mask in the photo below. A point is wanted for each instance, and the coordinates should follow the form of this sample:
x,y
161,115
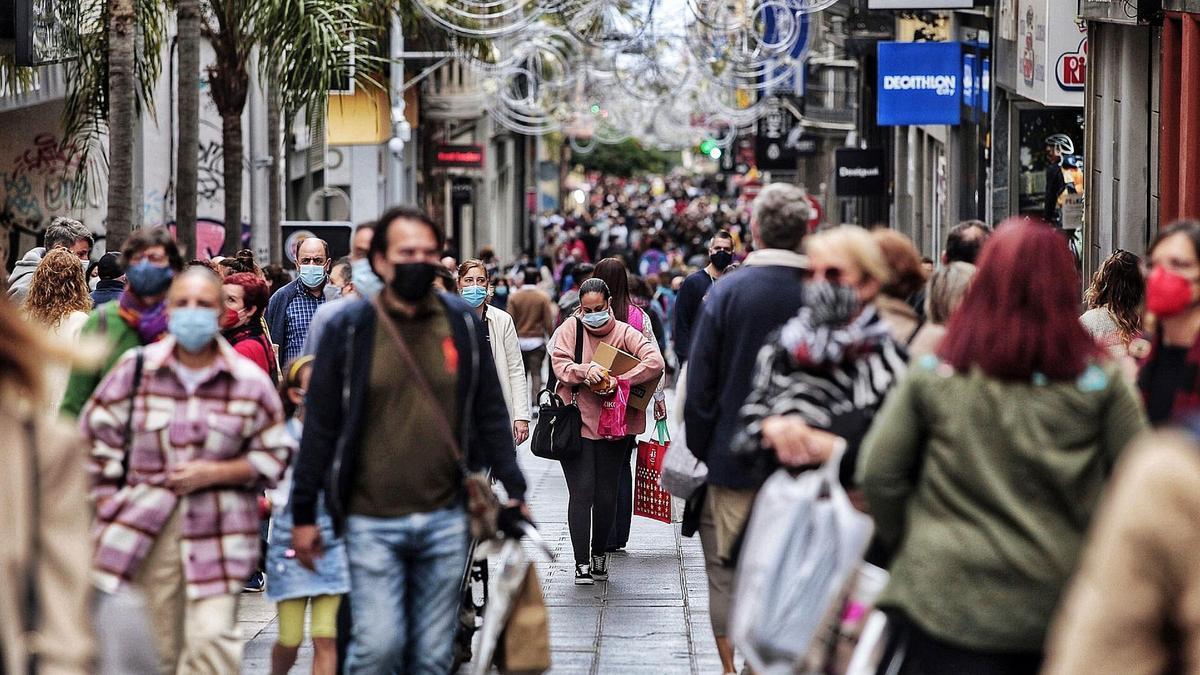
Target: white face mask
x,y
93,283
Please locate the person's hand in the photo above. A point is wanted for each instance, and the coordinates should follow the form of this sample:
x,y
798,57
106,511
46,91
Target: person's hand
x,y
306,542
595,375
193,476
660,409
523,507
520,431
795,443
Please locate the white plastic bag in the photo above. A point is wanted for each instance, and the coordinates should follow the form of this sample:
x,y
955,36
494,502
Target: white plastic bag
x,y
682,473
802,547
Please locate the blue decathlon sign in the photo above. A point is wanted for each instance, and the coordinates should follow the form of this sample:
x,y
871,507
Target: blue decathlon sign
x,y
919,83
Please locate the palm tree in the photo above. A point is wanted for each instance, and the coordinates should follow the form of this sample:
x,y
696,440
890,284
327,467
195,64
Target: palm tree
x,y
122,28
322,39
187,13
112,80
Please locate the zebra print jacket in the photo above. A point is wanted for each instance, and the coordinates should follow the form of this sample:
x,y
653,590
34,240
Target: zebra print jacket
x,y
834,378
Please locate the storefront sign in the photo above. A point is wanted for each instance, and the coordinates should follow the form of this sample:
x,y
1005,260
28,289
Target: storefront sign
x,y
467,156
771,149
1129,12
919,83
1051,53
860,173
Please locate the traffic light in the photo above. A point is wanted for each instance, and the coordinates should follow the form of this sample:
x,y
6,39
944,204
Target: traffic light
x,y
709,147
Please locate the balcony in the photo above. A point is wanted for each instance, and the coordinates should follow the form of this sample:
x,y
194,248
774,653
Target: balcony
x,y
49,84
452,92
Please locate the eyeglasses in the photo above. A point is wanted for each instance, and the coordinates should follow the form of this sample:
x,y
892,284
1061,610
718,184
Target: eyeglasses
x,y
316,260
831,274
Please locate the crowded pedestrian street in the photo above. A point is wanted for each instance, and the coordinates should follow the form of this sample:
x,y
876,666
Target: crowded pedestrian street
x,y
658,605
600,337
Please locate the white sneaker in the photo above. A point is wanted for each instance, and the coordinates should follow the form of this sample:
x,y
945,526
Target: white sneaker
x,y
583,575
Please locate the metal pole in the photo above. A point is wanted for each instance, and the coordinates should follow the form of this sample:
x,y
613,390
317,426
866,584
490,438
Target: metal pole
x,y
396,77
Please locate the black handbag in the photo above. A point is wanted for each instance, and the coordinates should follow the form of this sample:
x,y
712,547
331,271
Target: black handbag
x,y
560,426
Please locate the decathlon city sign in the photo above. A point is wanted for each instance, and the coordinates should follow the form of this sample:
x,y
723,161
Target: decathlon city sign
x,y
919,83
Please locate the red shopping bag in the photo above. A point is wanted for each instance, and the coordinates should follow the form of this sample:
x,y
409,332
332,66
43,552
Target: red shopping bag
x,y
649,499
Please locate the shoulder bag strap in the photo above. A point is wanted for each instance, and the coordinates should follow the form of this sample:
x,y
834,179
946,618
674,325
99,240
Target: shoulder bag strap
x,y
139,362
440,421
552,381
31,617
578,351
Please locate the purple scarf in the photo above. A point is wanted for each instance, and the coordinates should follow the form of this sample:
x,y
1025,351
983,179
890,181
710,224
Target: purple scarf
x,y
149,322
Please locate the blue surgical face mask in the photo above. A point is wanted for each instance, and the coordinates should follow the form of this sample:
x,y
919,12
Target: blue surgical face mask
x,y
193,327
312,275
596,319
502,291
366,282
474,295
147,279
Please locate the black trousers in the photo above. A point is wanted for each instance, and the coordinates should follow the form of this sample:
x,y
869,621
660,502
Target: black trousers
x,y
592,480
618,537
925,654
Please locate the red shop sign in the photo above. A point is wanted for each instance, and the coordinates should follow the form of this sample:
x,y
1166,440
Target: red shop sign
x,y
468,156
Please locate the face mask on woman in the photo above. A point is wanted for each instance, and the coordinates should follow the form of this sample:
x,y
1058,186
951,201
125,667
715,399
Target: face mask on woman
x,y
831,304
474,295
366,282
596,319
146,279
1167,293
193,327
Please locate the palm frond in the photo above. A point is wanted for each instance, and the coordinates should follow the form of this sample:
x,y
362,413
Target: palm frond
x,y
327,41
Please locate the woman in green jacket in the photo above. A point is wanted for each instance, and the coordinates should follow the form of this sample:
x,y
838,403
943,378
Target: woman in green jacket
x,y
138,318
984,466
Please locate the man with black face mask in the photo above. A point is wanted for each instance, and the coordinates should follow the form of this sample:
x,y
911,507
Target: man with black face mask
x,y
402,388
695,287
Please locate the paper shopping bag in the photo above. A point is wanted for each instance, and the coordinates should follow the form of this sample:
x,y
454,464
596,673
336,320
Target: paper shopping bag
x,y
649,499
524,646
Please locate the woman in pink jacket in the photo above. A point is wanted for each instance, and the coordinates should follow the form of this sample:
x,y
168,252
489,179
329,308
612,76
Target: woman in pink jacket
x,y
592,475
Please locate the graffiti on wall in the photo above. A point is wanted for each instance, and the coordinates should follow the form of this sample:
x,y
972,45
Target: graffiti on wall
x,y
41,182
210,174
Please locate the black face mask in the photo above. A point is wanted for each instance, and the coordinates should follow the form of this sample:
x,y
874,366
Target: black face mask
x,y
413,280
721,260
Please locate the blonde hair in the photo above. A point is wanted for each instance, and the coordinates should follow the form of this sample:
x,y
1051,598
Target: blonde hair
x,y
856,244
947,288
58,288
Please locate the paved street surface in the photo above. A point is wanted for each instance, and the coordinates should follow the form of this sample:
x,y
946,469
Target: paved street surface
x,y
650,617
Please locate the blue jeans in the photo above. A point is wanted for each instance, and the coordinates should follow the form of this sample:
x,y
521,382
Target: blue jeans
x,y
405,575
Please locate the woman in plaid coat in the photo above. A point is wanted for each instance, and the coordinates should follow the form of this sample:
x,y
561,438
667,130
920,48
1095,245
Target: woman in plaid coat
x,y
184,433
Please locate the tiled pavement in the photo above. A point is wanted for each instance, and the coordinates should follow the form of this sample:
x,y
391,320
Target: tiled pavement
x,y
650,617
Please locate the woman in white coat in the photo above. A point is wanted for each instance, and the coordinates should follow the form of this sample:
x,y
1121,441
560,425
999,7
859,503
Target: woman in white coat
x,y
502,336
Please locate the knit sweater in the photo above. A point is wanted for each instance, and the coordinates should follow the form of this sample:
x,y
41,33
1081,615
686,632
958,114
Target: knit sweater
x,y
620,335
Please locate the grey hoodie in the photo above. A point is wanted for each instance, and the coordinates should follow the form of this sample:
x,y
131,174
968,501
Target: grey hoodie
x,y
22,274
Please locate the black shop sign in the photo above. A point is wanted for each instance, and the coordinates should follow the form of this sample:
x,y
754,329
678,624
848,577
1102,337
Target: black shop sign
x,y
860,173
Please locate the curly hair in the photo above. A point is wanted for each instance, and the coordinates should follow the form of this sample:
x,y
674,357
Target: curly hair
x,y
58,288
1118,286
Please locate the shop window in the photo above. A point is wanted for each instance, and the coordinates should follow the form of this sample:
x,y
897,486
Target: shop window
x,y
1179,132
1035,126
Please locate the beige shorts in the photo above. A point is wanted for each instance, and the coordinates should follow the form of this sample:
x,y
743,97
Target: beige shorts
x,y
730,510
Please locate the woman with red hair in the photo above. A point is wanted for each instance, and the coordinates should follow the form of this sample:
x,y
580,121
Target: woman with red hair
x,y
984,466
246,297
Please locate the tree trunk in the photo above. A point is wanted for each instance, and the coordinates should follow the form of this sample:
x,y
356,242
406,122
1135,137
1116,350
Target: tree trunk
x,y
186,178
274,186
122,33
232,151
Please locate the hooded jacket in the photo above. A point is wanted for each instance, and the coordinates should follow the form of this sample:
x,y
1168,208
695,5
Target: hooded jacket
x,y
22,274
